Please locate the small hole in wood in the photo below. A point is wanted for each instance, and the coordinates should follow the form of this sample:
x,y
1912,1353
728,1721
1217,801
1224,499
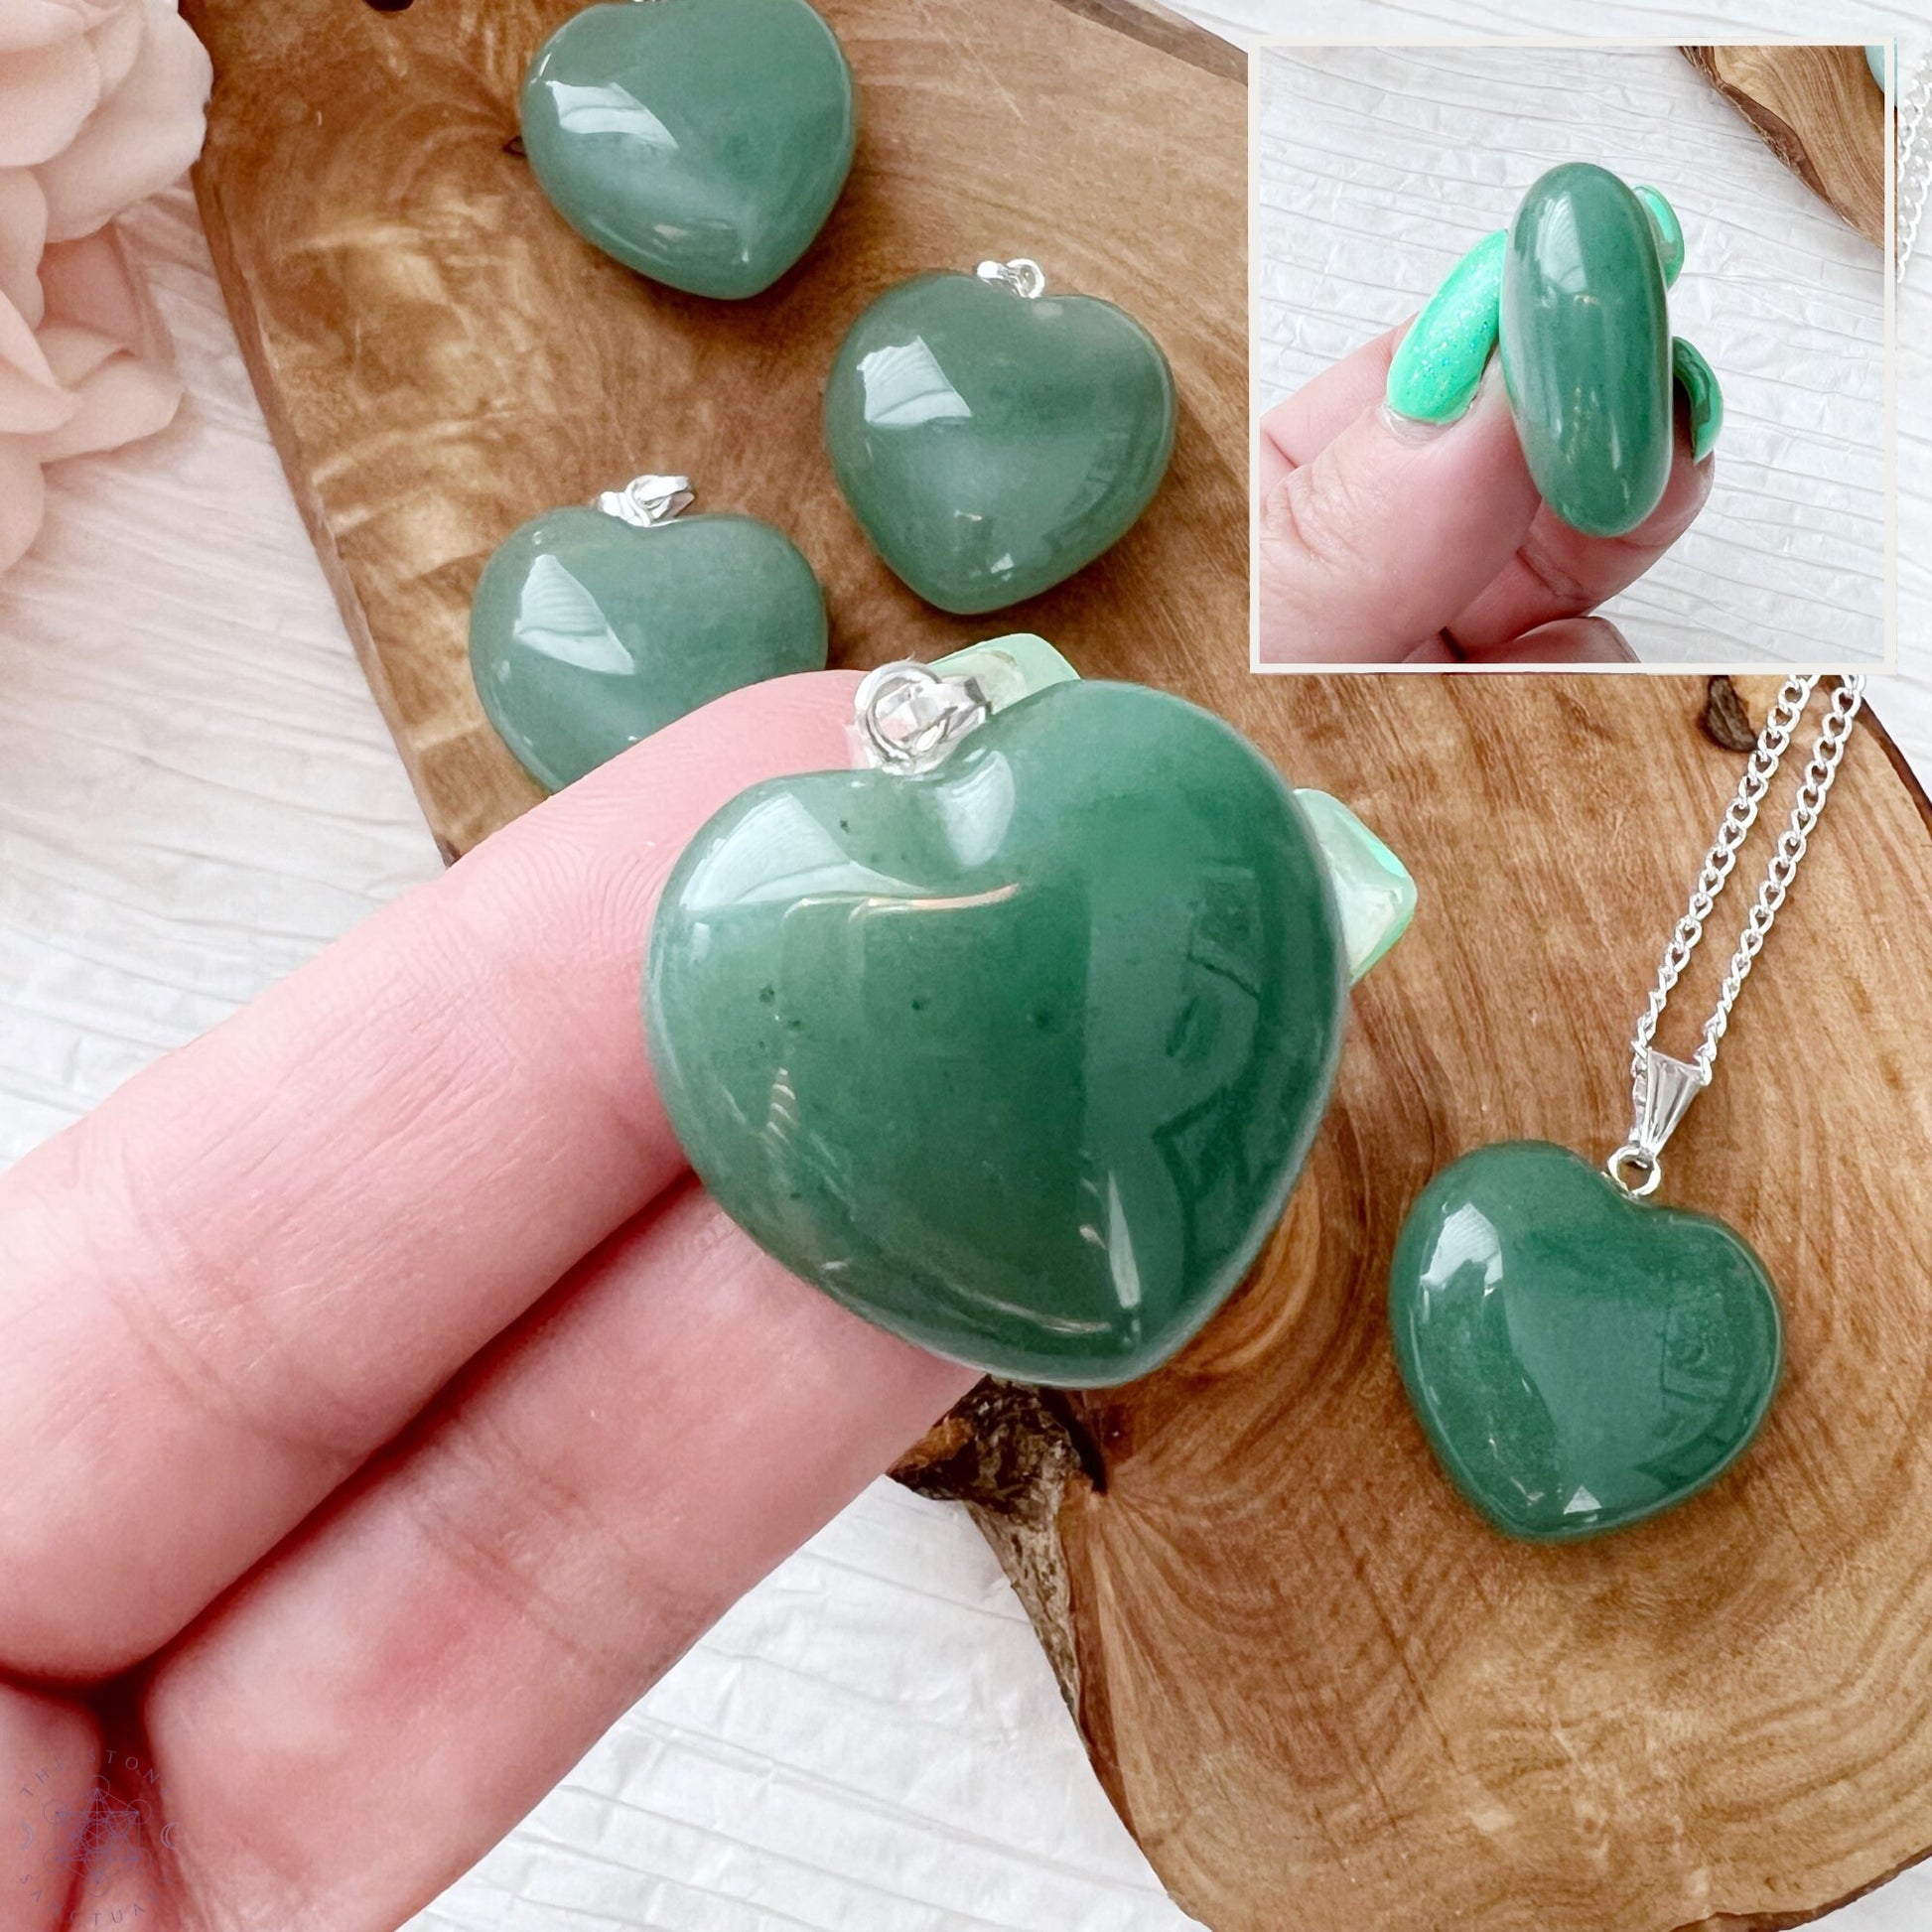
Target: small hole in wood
x,y
1725,722
391,6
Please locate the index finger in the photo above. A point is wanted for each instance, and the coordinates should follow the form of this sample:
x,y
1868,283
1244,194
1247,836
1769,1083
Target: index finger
x,y
253,1263
1368,550
1298,430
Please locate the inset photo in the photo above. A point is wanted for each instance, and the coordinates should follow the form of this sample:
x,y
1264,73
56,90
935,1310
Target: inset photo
x,y
1571,355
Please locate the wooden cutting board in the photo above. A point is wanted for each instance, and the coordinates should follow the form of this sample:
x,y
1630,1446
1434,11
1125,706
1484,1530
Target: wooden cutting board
x,y
440,358
1319,1692
1819,110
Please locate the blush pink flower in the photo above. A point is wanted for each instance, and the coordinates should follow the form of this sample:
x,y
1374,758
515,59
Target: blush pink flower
x,y
101,104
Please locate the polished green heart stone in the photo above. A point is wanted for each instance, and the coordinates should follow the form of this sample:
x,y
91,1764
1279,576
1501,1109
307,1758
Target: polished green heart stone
x,y
992,443
1586,349
1579,1360
1020,1058
702,142
587,632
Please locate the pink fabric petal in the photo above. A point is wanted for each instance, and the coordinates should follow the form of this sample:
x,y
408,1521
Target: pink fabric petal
x,y
118,45
103,340
23,499
121,399
46,96
92,281
40,23
142,138
22,234
32,396
101,102
75,351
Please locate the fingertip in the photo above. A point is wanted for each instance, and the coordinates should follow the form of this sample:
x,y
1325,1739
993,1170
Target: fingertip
x,y
1298,430
1568,644
771,728
1391,531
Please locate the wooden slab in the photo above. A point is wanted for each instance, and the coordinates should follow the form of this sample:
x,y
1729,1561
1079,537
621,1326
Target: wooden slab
x,y
440,358
1319,1692
1820,112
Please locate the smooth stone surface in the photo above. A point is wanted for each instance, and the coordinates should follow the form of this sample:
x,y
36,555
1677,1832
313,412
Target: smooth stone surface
x,y
1437,369
1375,897
588,633
1019,1059
1579,1360
1586,347
702,142
991,445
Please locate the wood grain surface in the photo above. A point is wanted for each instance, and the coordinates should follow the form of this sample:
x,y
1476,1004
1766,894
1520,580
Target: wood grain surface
x,y
1321,1693
440,358
1820,112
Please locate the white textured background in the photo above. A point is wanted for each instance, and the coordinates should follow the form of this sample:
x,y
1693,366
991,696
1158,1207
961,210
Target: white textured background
x,y
1380,166
197,794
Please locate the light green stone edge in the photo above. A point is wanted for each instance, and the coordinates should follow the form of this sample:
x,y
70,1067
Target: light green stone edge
x,y
1374,893
1373,890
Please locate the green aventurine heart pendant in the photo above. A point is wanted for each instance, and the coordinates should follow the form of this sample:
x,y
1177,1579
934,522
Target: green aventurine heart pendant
x,y
702,142
993,439
1574,291
1579,1360
1019,1055
593,628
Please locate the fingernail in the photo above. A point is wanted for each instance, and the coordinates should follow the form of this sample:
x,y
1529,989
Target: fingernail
x,y
1438,369
1698,382
1669,231
1411,429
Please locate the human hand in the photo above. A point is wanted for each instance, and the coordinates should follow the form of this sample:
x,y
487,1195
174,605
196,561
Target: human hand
x,y
384,1405
1385,541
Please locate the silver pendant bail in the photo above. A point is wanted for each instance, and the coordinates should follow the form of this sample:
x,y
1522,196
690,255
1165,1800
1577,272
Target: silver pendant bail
x,y
1022,276
647,500
1662,1094
907,718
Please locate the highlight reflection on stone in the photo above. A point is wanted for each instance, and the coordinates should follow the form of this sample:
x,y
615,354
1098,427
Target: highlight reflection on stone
x,y
1018,1058
992,444
588,633
701,142
1586,347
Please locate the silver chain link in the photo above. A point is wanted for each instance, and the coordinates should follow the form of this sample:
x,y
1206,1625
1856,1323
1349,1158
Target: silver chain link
x,y
1915,181
1656,1120
907,718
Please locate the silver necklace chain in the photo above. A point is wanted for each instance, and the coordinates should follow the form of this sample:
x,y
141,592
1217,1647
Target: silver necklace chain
x,y
1914,187
1662,1089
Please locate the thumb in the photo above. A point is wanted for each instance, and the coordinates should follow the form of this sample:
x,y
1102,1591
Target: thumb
x,y
1393,528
